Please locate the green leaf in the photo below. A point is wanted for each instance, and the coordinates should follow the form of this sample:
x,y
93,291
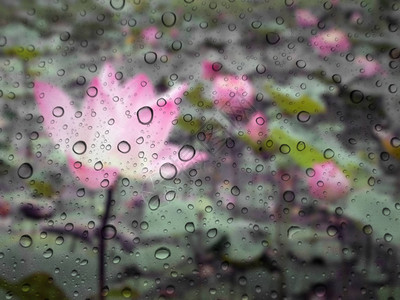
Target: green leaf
x,y
195,97
301,95
36,286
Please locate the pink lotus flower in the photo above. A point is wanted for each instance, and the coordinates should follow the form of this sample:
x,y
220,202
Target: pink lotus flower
x,y
257,127
207,70
368,68
330,41
328,182
119,129
305,18
232,94
149,35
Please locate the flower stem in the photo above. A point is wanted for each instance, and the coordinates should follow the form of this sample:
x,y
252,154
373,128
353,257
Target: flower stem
x,y
102,244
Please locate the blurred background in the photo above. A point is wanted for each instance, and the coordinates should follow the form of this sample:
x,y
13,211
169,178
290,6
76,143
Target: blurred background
x,y
295,105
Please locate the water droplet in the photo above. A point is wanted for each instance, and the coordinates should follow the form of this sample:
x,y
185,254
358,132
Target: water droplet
x,y
150,57
235,191
25,171
332,230
301,146
58,111
48,253
386,211
168,19
80,192
261,69
189,227
388,237
329,153
292,231
212,233
356,96
168,171
108,232
289,196
395,142
303,116
145,115
124,147
116,260
301,64
162,253
117,4
92,91
272,38
25,241
154,202
230,143
367,229
59,240
284,149
186,153
79,147
216,66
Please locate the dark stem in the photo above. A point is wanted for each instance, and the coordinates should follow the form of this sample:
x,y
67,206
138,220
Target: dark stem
x,y
102,244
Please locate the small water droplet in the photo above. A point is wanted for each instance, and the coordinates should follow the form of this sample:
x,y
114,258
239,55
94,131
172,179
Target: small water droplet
x,y
150,57
48,253
168,19
58,111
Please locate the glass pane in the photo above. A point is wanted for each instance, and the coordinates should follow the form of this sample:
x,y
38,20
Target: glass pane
x,y
199,149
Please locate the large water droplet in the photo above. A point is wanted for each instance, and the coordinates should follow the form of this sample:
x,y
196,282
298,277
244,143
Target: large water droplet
x,y
168,19
162,253
154,202
150,57
25,171
212,233
48,253
25,241
186,153
79,147
124,147
168,171
117,4
58,111
189,227
145,115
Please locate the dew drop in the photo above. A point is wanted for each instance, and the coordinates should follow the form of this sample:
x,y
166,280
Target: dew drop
x,y
212,233
150,57
168,19
58,111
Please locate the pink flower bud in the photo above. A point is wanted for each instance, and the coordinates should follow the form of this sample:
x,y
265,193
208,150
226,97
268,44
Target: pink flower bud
x,y
368,68
305,18
257,127
330,41
327,182
232,94
149,35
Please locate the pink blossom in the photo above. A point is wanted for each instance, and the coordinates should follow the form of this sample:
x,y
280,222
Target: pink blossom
x,y
305,18
232,93
327,182
368,68
149,35
257,127
119,129
207,70
333,40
